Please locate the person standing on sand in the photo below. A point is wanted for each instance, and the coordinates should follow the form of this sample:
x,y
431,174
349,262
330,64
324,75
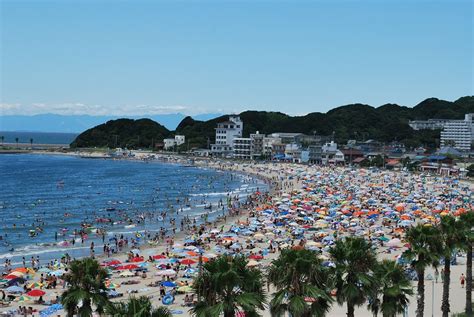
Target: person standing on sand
x,y
462,279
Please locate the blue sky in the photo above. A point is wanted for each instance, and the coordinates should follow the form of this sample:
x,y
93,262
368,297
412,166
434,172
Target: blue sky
x,y
151,57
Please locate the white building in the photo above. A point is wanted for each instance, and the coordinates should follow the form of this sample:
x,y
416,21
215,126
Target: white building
x,y
430,124
226,132
459,133
169,144
176,141
242,148
331,154
268,143
180,139
293,151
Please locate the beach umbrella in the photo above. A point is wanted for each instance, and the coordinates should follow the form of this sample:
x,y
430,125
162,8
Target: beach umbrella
x,y
10,277
188,261
185,289
36,293
168,272
394,242
127,267
58,272
236,246
15,281
112,262
255,257
14,289
50,310
113,286
252,263
168,284
35,285
44,270
15,274
405,223
314,244
137,259
126,274
21,269
159,257
59,266
24,298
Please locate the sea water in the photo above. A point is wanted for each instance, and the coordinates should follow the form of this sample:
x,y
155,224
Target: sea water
x,y
44,198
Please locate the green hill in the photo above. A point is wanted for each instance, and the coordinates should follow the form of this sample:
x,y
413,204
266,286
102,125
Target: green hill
x,y
356,121
122,133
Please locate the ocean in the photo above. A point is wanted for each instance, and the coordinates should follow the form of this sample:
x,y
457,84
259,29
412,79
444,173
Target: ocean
x,y
38,137
44,198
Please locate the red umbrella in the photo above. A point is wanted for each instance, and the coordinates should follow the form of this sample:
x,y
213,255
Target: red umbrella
x,y
255,257
112,263
10,277
127,267
36,293
137,259
159,256
188,261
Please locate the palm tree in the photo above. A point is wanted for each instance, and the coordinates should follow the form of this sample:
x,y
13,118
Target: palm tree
x,y
467,219
86,281
226,285
354,258
452,238
393,289
423,252
302,284
137,307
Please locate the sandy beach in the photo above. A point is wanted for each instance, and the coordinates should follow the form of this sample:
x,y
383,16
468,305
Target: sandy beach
x,y
311,197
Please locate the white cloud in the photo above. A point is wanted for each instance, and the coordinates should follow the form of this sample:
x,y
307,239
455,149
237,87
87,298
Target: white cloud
x,y
95,110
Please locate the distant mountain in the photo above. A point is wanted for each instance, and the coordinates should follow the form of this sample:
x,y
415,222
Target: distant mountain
x,y
356,121
77,123
127,133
